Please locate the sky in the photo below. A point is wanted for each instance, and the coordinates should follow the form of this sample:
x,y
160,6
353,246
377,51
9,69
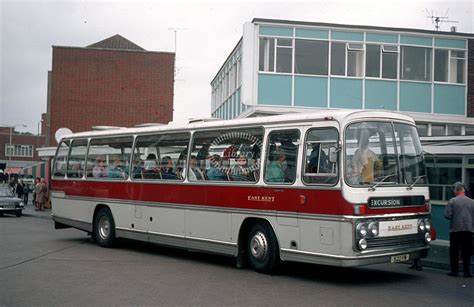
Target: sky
x,y
209,30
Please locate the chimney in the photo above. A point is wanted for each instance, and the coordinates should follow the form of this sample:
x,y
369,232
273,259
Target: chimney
x,y
454,29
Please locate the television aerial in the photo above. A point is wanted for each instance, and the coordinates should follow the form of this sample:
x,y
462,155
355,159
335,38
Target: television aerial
x,y
438,19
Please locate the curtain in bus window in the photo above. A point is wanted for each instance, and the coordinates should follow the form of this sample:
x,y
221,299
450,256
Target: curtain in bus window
x,y
109,158
160,156
226,155
318,169
76,161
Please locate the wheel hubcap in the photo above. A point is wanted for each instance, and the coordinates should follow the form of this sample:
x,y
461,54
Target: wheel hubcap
x,y
104,227
258,245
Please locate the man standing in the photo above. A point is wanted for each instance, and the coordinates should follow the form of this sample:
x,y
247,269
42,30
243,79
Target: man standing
x,y
460,212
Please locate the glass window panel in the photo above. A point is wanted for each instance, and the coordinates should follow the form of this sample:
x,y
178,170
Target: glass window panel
x,y
76,161
415,63
372,63
160,156
469,130
59,165
389,65
456,69
284,60
436,192
438,130
390,48
266,54
109,158
226,155
338,59
311,57
317,168
441,65
410,154
355,63
284,42
458,54
454,129
422,129
282,156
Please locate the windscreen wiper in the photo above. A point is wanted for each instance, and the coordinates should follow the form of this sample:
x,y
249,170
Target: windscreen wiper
x,y
417,178
372,188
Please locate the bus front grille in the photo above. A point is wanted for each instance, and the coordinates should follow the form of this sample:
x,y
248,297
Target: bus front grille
x,y
397,241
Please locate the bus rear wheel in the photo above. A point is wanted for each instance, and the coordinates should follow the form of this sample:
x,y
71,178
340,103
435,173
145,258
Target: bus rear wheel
x,y
104,228
262,248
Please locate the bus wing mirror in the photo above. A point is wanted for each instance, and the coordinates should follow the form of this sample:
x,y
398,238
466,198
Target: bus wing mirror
x,y
333,154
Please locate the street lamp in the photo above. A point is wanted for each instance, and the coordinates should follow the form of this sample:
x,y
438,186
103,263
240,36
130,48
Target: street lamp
x,y
12,127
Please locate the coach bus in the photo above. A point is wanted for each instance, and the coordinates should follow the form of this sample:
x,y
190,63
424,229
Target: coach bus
x,y
341,188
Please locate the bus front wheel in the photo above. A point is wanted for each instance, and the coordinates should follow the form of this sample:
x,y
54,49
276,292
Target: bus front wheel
x,y
104,228
262,248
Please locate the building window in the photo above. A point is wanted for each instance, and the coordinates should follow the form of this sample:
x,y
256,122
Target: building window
x,y
422,129
311,57
454,72
456,66
15,150
415,63
338,59
454,129
442,173
469,130
385,54
355,59
438,130
276,55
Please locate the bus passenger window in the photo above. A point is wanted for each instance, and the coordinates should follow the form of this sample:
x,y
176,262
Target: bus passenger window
x,y
160,157
76,160
317,168
282,156
109,158
59,166
226,155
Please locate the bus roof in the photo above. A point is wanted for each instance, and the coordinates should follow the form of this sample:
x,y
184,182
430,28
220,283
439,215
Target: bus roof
x,y
341,116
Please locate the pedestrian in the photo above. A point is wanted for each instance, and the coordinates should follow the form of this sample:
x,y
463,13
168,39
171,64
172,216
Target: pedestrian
x,y
26,191
20,190
460,212
41,196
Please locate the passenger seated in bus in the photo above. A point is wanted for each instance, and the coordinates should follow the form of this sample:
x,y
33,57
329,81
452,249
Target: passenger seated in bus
x,y
274,172
318,161
241,171
215,171
117,169
100,170
202,156
167,171
137,168
150,168
366,165
194,173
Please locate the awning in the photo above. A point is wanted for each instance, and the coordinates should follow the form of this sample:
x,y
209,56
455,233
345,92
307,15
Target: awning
x,y
13,170
449,145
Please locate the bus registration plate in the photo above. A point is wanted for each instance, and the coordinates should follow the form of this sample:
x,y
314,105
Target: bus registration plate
x,y
400,258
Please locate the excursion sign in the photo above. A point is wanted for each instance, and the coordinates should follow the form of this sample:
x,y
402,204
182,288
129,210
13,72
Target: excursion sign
x,y
392,202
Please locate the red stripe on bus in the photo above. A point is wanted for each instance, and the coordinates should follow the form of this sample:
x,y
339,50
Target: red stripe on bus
x,y
285,199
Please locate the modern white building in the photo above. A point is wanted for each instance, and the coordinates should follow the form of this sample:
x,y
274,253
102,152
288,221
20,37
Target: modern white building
x,y
281,66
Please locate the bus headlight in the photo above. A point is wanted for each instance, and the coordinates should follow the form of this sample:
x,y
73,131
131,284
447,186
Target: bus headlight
x,y
427,225
427,237
421,226
362,230
362,244
374,229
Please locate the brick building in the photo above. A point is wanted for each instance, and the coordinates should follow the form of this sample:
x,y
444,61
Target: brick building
x,y
110,83
22,153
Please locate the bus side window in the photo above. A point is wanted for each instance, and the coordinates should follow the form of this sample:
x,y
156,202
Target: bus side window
x,y
317,167
282,156
160,157
109,158
59,169
226,155
76,160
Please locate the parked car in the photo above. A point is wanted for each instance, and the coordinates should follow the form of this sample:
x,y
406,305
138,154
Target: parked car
x,y
9,203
